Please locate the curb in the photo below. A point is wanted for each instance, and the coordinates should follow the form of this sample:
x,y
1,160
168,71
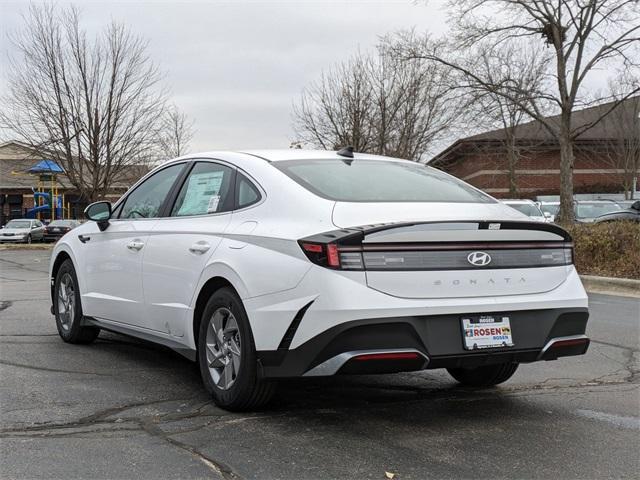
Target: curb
x,y
22,246
625,287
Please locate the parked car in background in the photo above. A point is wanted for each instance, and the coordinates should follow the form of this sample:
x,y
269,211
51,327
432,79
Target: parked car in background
x,y
530,209
25,230
630,214
588,210
58,228
274,264
550,209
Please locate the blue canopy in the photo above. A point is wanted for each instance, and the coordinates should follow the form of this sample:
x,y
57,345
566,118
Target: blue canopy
x,y
46,166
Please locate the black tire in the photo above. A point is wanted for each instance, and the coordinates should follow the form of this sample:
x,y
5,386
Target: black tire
x,y
28,240
70,326
248,391
486,376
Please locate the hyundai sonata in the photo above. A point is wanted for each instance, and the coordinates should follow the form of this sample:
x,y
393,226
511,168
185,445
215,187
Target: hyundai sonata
x,y
264,265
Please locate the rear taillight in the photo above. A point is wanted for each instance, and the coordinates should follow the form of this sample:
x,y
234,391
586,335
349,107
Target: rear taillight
x,y
331,255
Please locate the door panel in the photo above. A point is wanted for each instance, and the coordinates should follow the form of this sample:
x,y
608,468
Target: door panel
x,y
113,257
174,259
113,271
181,245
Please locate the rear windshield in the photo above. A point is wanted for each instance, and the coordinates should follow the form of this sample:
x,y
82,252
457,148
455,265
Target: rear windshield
x,y
593,210
379,181
527,209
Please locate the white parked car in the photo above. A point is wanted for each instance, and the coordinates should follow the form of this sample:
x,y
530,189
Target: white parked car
x,y
273,264
530,209
22,230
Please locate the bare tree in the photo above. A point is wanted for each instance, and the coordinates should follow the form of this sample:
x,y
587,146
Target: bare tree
x,y
620,146
582,36
94,105
377,104
517,64
176,132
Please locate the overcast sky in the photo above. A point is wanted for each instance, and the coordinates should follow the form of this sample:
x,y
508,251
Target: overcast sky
x,y
236,67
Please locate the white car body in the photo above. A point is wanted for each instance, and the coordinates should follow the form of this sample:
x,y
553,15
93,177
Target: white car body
x,y
147,277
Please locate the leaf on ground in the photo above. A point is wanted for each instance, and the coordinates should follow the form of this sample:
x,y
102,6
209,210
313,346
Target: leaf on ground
x,y
389,475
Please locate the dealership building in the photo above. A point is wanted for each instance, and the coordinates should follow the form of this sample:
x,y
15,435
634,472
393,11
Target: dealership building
x,y
481,160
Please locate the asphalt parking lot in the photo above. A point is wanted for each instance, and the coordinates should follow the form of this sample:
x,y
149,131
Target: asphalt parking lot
x,y
126,409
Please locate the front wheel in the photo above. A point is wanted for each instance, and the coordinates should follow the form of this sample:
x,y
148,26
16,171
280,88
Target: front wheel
x,y
28,240
68,309
486,376
227,355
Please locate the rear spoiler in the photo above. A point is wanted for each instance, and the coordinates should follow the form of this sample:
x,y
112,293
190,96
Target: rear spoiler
x,y
355,235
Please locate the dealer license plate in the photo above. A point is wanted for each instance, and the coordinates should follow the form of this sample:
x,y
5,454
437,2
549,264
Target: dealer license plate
x,y
55,230
486,331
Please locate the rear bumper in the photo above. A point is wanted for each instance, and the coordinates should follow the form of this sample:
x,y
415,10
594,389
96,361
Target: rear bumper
x,y
436,340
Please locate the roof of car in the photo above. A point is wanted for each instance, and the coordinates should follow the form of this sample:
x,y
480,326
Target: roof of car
x,y
528,202
290,154
302,154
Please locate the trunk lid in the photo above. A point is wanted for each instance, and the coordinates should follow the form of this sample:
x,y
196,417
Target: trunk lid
x,y
454,250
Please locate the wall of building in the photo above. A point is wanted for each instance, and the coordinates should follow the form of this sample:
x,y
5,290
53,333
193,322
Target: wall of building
x,y
537,173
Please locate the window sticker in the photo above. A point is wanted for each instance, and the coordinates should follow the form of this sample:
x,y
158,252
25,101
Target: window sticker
x,y
213,204
203,193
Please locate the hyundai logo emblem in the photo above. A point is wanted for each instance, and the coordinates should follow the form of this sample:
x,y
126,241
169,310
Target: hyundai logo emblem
x,y
479,259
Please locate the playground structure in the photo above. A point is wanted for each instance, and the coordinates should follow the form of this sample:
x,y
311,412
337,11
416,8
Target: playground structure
x,y
47,202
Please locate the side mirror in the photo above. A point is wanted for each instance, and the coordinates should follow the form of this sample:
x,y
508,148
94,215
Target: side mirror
x,y
99,212
636,205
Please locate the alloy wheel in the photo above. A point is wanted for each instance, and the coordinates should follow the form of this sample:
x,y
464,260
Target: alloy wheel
x,y
223,345
66,301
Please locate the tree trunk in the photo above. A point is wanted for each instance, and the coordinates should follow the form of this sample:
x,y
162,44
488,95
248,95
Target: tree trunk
x,y
566,214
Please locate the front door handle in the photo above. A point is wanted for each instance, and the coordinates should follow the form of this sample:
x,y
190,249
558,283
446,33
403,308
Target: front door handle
x,y
83,238
199,248
135,245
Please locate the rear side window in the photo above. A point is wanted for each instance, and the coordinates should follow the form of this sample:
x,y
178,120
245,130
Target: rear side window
x,y
379,181
246,191
206,190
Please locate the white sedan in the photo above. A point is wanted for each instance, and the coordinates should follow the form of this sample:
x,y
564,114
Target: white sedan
x,y
270,264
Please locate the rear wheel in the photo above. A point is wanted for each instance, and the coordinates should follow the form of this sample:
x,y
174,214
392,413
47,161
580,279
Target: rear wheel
x,y
227,355
486,376
68,309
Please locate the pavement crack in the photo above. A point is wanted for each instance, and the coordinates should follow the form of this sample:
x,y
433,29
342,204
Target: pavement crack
x,y
46,369
609,344
216,466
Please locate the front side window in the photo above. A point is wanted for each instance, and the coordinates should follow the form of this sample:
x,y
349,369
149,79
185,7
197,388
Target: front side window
x,y
147,199
379,181
206,190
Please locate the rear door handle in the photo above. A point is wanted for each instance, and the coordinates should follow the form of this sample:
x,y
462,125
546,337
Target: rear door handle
x,y
135,245
199,248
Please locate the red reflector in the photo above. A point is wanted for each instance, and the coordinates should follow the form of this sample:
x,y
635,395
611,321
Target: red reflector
x,y
388,356
312,247
569,343
333,258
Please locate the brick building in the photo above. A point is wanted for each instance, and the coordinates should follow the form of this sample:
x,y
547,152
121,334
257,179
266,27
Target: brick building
x,y
606,155
17,185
